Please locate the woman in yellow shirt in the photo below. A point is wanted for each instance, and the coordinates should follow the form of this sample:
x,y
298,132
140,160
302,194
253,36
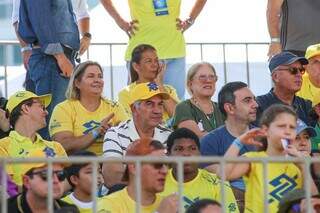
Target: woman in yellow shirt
x,y
145,67
81,121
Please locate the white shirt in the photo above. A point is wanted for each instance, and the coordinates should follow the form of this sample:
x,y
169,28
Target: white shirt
x,y
80,8
118,138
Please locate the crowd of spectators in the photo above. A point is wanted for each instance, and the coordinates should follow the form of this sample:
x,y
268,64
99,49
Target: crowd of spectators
x,y
63,113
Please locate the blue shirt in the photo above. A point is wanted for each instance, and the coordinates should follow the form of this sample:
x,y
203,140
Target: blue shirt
x,y
48,23
217,142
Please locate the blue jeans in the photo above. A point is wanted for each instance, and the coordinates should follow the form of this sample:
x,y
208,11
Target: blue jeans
x,y
44,73
175,74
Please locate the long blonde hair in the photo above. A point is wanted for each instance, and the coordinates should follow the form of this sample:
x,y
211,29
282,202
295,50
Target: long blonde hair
x,y
72,91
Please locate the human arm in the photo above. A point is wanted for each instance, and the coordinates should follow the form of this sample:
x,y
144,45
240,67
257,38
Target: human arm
x,y
26,50
194,13
273,22
4,121
128,27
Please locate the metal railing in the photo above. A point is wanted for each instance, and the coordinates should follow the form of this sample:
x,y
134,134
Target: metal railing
x,y
113,47
178,160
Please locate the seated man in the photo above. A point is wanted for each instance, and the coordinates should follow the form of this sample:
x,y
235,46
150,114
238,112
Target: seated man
x,y
147,110
35,188
198,183
27,114
152,182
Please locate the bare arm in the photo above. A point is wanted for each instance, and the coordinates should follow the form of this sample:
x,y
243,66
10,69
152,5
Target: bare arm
x,y
192,125
273,22
84,27
112,173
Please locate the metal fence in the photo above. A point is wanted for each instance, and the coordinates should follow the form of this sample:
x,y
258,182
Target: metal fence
x,y
178,160
246,49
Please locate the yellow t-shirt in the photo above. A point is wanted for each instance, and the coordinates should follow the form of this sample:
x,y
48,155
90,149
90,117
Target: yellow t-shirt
x,y
307,91
157,27
82,206
120,202
205,185
71,116
18,146
124,97
282,178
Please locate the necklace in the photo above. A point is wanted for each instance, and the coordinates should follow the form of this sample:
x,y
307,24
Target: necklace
x,y
209,117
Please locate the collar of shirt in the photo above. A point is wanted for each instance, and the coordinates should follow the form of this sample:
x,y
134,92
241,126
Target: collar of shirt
x,y
22,139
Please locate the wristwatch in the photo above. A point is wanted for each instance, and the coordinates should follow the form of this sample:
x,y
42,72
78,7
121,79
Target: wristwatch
x,y
190,21
275,40
88,35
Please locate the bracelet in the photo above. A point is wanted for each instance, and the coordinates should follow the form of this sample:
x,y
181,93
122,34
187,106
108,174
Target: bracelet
x,y
190,21
26,48
88,35
238,143
95,134
275,40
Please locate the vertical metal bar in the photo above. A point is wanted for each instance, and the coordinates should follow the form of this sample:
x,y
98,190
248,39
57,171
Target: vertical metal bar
x,y
5,81
201,51
88,53
306,183
50,188
94,186
180,185
222,189
4,207
247,65
111,74
265,186
224,63
138,186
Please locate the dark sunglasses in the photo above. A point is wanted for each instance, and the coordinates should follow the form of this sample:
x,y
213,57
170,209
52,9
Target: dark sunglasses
x,y
295,70
44,176
159,165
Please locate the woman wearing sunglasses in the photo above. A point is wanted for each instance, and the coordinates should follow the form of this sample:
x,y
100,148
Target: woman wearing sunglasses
x,y
81,121
199,113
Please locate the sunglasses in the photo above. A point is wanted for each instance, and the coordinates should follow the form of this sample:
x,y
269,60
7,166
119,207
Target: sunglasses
x,y
159,165
44,176
295,70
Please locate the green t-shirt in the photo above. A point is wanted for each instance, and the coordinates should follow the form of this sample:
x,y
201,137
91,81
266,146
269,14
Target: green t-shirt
x,y
315,141
157,27
188,111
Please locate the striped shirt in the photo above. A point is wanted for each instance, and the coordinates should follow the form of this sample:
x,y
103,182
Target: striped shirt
x,y
118,138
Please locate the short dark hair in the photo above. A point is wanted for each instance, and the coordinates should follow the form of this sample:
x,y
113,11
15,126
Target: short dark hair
x,y
226,94
75,167
197,206
181,133
136,56
16,112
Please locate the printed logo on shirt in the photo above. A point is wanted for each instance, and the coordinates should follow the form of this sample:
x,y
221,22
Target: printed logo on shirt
x,y
282,185
160,7
54,124
90,125
49,152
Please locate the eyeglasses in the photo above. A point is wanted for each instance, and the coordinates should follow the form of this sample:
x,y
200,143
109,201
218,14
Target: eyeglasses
x,y
43,107
204,78
295,70
44,175
159,165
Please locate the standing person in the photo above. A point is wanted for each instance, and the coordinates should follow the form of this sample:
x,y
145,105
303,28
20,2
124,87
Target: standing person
x,y
81,121
80,8
50,27
152,182
146,67
278,122
286,73
199,113
157,23
197,183
237,103
147,109
311,79
290,29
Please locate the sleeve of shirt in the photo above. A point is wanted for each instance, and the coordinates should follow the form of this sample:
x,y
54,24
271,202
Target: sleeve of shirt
x,y
209,145
119,114
124,98
80,8
60,150
61,119
111,144
15,11
39,14
182,113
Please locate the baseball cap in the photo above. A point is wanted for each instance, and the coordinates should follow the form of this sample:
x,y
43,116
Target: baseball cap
x,y
144,91
291,198
285,58
21,96
313,50
301,126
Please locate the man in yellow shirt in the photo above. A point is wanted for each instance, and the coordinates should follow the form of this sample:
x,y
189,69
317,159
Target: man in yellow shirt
x,y
152,182
27,114
311,79
157,22
198,183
